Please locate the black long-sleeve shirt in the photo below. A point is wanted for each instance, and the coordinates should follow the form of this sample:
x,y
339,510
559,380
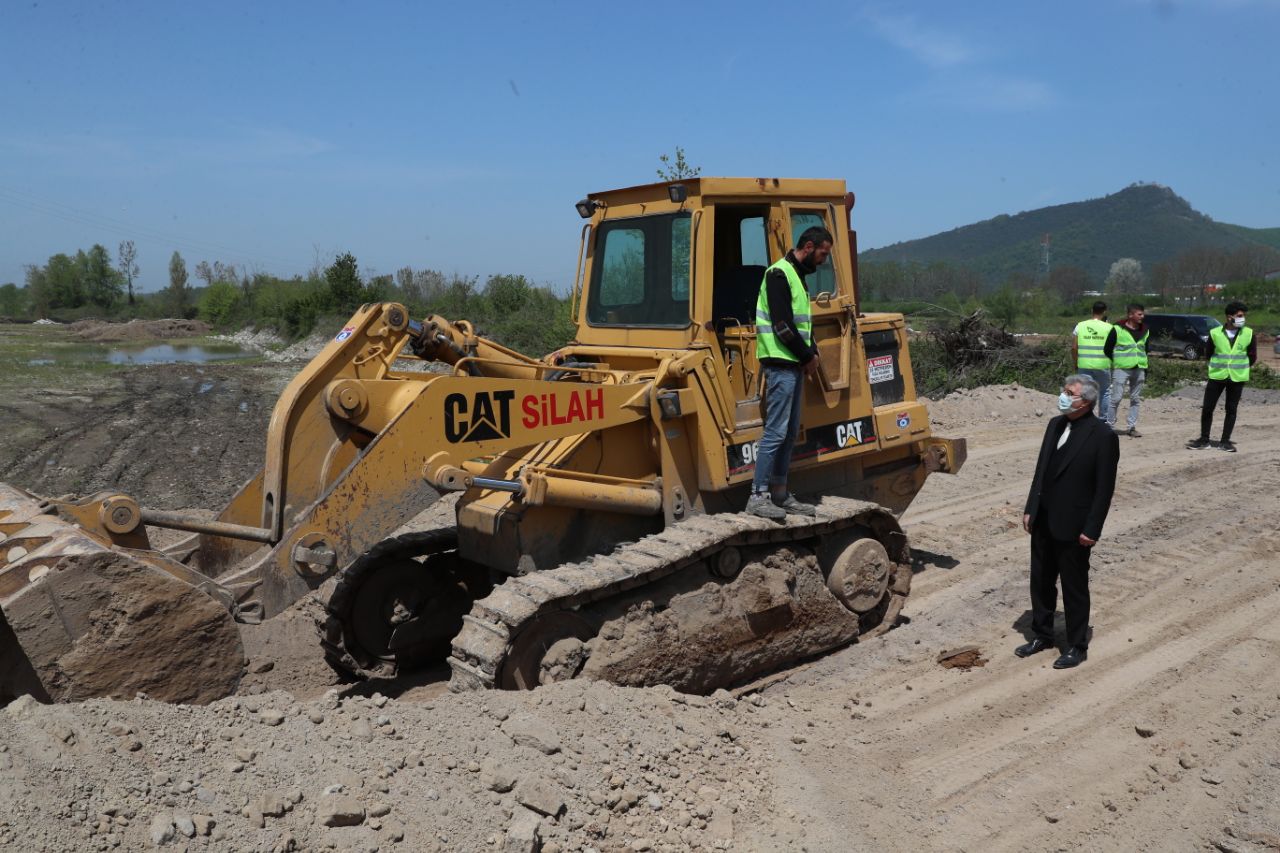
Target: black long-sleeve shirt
x,y
782,318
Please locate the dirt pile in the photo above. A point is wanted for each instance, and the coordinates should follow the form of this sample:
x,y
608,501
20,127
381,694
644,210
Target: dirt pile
x,y
989,405
576,766
99,331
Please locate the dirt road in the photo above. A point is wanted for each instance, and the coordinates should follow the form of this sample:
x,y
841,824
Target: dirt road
x,y
1165,739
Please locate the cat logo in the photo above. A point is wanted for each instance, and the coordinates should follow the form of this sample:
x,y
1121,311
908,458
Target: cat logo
x,y
487,416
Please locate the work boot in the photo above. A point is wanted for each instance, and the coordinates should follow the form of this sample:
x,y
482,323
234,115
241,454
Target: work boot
x,y
1133,433
790,506
1198,443
763,506
1226,445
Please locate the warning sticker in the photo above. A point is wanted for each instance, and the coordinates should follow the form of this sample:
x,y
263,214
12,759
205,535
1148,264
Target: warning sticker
x,y
345,333
880,368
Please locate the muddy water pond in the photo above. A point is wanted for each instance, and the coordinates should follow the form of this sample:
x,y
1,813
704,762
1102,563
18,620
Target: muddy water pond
x,y
149,353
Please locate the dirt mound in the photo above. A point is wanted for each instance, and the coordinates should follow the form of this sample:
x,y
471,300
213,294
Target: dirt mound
x,y
989,405
100,331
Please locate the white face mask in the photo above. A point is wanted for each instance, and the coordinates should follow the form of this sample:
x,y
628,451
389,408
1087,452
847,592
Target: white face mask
x,y
1238,322
1066,402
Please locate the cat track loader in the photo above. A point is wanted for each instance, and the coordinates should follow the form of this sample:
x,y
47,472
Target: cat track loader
x,y
598,527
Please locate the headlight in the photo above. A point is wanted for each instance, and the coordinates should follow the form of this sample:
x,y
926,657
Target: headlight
x,y
1204,338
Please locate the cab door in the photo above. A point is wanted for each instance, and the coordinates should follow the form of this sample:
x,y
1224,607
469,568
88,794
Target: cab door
x,y
830,295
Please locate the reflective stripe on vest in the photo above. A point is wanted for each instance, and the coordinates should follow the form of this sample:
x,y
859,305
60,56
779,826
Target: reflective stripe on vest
x,y
767,343
1128,352
1230,359
1091,345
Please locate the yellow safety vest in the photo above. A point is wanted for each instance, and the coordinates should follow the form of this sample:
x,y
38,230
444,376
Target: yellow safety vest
x,y
767,343
1130,353
1091,345
1230,359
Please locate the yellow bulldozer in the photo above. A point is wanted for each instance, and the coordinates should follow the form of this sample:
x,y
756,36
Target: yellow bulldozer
x,y
599,528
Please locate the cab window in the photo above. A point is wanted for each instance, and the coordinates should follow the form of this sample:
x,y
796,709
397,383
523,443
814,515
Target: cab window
x,y
824,278
640,274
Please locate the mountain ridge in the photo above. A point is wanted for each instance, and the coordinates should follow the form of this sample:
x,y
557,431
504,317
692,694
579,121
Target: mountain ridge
x,y
1149,222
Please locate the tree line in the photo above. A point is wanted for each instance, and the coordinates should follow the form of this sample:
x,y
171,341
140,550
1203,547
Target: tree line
x,y
511,308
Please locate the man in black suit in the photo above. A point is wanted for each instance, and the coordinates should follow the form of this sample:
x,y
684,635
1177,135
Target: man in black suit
x,y
1070,495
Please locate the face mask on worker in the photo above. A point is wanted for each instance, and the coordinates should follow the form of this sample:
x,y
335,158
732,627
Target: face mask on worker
x,y
1066,402
1237,322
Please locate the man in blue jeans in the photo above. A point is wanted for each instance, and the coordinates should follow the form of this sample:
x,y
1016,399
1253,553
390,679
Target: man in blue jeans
x,y
784,345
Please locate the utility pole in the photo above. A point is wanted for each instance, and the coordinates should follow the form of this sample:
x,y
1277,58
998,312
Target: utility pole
x,y
1044,256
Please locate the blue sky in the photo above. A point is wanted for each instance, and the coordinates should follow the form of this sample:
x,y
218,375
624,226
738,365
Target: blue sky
x,y
457,136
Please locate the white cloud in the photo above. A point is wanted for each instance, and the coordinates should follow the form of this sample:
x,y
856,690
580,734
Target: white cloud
x,y
929,45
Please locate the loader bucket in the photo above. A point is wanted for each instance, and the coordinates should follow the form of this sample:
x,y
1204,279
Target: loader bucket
x,y
80,618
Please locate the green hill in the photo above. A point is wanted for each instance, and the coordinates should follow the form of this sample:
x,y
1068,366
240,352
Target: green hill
x,y
1145,221
1266,236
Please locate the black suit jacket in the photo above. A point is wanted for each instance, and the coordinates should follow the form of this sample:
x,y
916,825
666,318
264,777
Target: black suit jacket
x,y
1073,488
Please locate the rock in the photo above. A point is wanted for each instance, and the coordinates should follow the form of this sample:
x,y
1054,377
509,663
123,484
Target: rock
x,y
271,804
533,733
316,717
271,717
1144,730
119,729
259,667
654,802
1186,761
497,777
337,810
185,825
161,830
360,731
1210,778
379,810
203,824
523,835
541,796
245,755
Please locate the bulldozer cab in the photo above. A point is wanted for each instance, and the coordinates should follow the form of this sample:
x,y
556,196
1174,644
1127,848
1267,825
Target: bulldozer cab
x,y
680,265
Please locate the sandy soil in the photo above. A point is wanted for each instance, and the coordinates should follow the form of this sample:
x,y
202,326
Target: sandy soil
x,y
1167,738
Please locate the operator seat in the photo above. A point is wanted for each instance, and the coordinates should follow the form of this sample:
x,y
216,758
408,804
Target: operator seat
x,y
735,295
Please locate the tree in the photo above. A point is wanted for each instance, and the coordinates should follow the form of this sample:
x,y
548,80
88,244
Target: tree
x,y
128,264
218,303
677,169
1005,305
1069,282
343,278
103,282
178,294
507,294
13,300
204,272
1125,277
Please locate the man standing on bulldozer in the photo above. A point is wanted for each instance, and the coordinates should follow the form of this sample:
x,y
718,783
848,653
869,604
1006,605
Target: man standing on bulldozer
x,y
784,345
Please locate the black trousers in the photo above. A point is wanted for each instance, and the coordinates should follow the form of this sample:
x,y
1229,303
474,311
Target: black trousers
x,y
1212,391
1052,561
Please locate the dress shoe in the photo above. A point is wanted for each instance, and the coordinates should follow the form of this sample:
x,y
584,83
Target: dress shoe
x,y
1073,656
1038,644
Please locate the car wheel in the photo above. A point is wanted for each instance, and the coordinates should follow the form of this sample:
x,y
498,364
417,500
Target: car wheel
x,y
1190,353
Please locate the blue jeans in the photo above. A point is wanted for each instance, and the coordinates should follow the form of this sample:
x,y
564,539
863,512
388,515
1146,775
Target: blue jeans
x,y
783,393
1103,378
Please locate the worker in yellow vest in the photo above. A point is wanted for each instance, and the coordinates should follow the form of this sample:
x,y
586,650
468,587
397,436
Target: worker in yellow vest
x,y
1232,351
1092,341
784,345
1129,366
